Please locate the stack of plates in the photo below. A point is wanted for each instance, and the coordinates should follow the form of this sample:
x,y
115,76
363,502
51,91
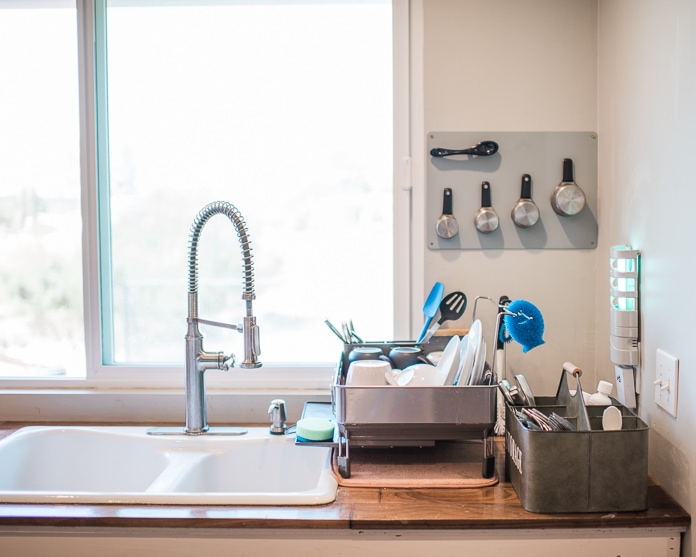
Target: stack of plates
x,y
448,365
472,349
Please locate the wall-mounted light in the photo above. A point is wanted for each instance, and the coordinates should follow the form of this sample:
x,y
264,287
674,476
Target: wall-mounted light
x,y
624,329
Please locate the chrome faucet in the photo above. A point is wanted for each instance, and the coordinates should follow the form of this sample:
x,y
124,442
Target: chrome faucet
x,y
197,359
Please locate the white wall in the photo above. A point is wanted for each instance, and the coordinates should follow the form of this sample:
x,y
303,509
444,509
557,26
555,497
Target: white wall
x,y
627,69
647,122
506,65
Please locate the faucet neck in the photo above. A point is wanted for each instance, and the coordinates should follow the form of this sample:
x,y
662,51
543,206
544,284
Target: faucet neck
x,y
219,207
196,421
252,347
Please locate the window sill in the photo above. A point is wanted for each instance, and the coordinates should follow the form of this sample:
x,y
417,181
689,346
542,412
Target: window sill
x,y
239,396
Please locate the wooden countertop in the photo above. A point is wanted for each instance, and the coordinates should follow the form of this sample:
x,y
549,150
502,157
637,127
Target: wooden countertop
x,y
489,508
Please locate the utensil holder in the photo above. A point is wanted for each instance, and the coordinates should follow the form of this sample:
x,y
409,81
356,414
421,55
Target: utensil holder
x,y
585,470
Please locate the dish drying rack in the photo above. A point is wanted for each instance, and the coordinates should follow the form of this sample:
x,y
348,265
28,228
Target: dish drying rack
x,y
388,416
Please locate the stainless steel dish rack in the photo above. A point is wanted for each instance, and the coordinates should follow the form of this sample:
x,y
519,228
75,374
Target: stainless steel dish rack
x,y
388,416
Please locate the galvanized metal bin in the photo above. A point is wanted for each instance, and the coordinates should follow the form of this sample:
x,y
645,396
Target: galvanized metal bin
x,y
586,470
387,416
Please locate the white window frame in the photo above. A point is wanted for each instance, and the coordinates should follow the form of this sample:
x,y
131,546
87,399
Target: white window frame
x,y
107,391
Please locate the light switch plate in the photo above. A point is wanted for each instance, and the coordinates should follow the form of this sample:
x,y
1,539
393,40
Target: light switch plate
x,y
666,381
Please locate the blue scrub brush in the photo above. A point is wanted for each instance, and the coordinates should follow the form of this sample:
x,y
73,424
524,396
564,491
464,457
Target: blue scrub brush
x,y
525,324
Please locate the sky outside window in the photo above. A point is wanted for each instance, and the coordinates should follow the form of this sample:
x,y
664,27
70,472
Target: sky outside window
x,y
284,110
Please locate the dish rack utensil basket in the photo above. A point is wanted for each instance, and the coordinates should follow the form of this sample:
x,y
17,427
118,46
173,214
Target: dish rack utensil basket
x,y
586,469
390,416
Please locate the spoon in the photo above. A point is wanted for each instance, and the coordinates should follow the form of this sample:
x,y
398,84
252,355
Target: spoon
x,y
432,303
451,308
611,419
483,149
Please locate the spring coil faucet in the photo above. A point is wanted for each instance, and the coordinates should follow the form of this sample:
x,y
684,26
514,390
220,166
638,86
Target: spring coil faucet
x,y
197,359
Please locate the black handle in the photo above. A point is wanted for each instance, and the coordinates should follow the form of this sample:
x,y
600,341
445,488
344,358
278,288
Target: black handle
x,y
447,201
502,305
488,466
568,170
526,187
483,149
486,194
440,152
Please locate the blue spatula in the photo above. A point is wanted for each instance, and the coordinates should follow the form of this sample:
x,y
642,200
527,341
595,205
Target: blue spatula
x,y
431,307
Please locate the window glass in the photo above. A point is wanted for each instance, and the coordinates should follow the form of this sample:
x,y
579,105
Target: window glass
x,y
284,109
41,320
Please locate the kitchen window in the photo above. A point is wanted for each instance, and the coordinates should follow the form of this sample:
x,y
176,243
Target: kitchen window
x,y
41,308
283,108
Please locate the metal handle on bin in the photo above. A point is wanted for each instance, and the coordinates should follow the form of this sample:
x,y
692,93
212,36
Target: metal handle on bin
x,y
571,368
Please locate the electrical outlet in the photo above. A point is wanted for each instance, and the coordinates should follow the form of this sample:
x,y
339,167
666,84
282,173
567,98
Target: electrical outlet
x,y
666,381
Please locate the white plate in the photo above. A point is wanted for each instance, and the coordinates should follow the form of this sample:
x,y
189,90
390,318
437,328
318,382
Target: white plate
x,y
472,346
399,377
448,364
479,363
463,348
424,375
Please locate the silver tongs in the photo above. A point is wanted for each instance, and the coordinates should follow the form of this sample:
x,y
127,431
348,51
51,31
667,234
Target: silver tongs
x,y
348,336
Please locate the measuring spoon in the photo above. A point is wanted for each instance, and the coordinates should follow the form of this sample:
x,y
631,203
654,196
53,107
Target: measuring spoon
x,y
483,149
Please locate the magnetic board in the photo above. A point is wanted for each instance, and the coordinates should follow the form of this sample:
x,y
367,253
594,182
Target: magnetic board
x,y
539,154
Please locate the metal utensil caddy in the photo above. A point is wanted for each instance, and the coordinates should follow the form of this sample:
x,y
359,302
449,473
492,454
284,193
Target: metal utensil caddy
x,y
388,416
584,470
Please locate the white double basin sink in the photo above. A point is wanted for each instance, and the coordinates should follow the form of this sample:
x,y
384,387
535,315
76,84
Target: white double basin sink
x,y
91,465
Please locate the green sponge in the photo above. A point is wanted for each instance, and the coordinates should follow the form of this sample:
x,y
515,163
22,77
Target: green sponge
x,y
315,429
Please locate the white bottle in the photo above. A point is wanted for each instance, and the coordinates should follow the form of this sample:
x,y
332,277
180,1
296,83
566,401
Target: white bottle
x,y
601,397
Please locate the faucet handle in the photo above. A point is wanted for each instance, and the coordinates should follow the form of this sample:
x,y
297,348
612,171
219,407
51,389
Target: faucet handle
x,y
214,360
239,328
278,416
228,363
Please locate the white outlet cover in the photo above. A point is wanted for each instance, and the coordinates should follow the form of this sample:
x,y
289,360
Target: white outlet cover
x,y
666,381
